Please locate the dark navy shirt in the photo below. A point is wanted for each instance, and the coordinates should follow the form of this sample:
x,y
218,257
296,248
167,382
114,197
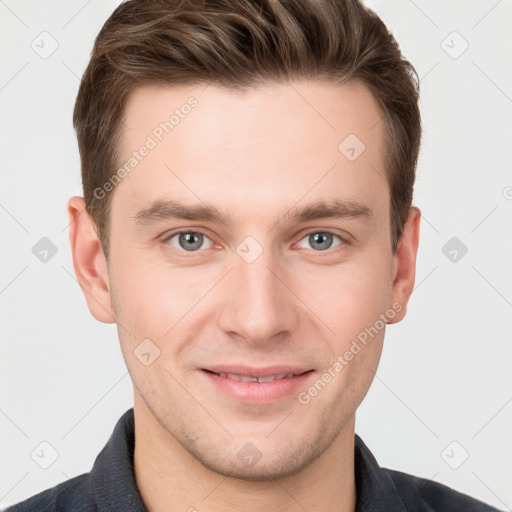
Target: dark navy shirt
x,y
110,485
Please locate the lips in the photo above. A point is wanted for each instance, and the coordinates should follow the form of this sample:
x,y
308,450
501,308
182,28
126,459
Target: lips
x,y
239,372
253,378
257,385
249,378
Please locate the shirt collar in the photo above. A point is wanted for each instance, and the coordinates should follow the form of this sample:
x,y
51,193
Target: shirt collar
x,y
114,486
375,490
113,475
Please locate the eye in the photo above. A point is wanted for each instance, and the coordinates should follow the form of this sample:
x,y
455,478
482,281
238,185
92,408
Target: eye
x,y
193,241
189,241
321,240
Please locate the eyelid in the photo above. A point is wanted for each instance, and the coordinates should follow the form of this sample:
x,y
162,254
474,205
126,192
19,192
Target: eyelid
x,y
345,239
180,231
331,231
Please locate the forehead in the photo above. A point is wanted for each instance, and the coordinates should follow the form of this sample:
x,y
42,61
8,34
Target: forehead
x,y
267,145
310,106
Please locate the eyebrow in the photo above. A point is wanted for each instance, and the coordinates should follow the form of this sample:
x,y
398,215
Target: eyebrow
x,y
171,209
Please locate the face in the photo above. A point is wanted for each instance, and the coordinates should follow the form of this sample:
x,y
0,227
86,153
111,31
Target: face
x,y
251,271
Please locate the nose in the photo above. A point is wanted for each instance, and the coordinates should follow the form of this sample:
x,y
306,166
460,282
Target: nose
x,y
258,304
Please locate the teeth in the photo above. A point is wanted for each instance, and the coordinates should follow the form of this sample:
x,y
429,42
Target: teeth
x,y
269,378
247,378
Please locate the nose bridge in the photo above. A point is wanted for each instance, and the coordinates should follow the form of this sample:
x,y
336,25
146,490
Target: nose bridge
x,y
258,306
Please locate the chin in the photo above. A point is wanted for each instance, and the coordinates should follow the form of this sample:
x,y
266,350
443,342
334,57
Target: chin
x,y
251,463
261,471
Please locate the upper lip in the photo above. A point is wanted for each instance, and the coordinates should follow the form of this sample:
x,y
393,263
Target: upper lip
x,y
251,371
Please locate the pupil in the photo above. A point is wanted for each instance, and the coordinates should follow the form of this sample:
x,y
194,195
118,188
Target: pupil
x,y
321,238
190,243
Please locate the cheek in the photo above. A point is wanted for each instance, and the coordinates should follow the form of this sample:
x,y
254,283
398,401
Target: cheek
x,y
161,302
349,297
146,297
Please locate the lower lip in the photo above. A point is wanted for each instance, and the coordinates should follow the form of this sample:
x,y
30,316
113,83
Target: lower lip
x,y
257,392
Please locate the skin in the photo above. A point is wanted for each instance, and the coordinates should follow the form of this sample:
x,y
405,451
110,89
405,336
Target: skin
x,y
254,155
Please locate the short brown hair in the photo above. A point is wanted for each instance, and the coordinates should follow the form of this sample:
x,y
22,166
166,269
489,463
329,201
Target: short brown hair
x,y
238,44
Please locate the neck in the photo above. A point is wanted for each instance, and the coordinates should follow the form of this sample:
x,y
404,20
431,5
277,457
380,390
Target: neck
x,y
169,478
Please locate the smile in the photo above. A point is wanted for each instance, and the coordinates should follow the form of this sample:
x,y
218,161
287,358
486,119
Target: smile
x,y
249,378
252,385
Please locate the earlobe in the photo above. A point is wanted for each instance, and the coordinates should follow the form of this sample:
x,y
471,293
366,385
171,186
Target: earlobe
x,y
405,265
89,261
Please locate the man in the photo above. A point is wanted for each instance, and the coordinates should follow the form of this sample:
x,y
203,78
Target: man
x,y
247,222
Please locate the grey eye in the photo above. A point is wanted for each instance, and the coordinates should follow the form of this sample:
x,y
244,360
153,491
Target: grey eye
x,y
188,240
320,240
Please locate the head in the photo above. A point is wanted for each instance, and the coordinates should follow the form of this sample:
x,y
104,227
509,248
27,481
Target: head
x,y
216,140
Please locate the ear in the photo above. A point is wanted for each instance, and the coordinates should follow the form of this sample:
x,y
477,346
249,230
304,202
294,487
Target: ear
x,y
89,261
405,264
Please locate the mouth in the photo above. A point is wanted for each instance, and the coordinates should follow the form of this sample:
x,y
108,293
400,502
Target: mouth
x,y
255,378
257,385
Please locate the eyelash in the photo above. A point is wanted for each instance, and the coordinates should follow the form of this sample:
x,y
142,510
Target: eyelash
x,y
344,240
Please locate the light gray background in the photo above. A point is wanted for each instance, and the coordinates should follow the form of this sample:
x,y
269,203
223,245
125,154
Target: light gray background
x,y
445,370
